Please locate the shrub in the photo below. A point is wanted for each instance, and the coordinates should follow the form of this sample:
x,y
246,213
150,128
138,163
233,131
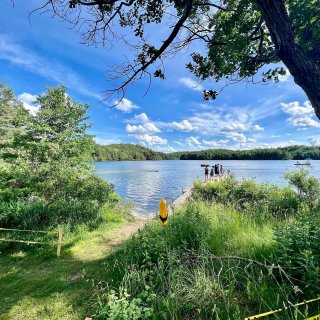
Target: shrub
x,y
65,196
122,307
308,188
298,250
249,196
48,181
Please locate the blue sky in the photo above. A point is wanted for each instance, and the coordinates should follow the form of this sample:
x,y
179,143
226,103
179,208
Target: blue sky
x,y
172,116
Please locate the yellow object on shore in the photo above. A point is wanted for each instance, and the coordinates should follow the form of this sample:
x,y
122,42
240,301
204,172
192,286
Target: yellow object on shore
x,y
262,315
317,317
163,213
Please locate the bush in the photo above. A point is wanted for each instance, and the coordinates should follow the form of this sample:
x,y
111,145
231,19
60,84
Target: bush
x,y
308,188
48,181
65,196
249,196
123,308
298,250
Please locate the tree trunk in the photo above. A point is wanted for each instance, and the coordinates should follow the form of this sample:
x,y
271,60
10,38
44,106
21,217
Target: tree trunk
x,y
304,69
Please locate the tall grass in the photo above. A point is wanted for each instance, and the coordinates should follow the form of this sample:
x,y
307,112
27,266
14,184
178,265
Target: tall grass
x,y
210,262
248,196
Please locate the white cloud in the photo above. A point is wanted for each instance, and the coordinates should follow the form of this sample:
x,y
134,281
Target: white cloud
x,y
179,143
125,105
191,84
275,136
301,116
284,78
193,141
256,127
239,137
142,117
148,127
314,141
184,125
304,123
295,109
219,122
29,101
150,139
165,149
215,144
234,126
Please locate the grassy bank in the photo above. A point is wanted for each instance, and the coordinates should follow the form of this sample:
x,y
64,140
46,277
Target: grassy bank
x,y
35,284
234,250
218,260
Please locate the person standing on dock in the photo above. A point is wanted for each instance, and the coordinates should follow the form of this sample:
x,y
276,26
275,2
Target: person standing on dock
x,y
212,173
216,169
206,174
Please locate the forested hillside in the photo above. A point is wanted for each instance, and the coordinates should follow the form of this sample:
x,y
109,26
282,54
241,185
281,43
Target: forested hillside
x,y
285,153
122,152
115,152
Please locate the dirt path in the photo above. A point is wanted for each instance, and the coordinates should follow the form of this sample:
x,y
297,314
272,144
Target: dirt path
x,y
122,234
100,245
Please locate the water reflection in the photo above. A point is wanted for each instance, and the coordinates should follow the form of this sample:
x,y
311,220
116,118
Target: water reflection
x,y
146,182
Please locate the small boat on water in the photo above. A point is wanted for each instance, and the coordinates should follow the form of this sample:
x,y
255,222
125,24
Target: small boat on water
x,y
302,164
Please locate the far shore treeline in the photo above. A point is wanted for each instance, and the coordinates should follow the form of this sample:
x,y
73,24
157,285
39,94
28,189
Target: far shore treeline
x,y
123,152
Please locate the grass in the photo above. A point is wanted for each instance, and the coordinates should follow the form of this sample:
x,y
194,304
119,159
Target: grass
x,y
35,284
212,261
209,262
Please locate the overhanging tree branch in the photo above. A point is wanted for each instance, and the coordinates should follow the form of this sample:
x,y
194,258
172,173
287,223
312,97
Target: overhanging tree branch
x,y
157,54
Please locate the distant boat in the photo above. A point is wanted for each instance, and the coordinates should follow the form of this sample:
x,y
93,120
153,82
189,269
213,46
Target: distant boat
x,y
303,164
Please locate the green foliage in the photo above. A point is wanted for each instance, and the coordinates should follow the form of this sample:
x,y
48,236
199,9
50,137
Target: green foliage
x,y
12,119
57,133
307,187
234,30
305,15
37,285
298,250
49,181
192,269
249,196
123,152
115,152
283,153
122,308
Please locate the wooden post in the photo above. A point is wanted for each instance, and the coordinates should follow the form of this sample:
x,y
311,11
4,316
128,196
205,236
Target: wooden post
x,y
59,241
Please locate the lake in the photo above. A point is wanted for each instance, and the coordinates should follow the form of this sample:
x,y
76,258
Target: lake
x,y
146,182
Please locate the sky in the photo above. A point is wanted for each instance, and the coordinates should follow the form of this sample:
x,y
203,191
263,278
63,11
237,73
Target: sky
x,y
38,52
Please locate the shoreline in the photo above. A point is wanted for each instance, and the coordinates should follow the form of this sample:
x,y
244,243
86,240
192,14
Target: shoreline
x,y
135,160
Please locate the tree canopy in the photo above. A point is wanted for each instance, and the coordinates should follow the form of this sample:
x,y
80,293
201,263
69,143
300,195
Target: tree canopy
x,y
57,133
239,37
12,119
46,181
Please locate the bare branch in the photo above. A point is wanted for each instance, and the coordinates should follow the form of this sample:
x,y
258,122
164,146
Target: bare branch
x,y
143,67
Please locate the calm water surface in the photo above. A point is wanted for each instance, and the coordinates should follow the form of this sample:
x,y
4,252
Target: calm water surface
x,y
146,182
